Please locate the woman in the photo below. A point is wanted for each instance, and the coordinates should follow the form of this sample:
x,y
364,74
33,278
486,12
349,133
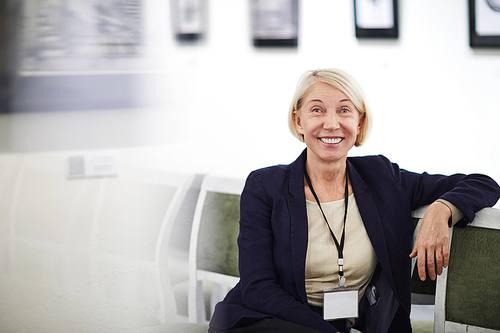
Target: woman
x,y
328,221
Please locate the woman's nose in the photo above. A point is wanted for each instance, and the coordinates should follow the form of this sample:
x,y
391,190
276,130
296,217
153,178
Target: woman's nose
x,y
331,122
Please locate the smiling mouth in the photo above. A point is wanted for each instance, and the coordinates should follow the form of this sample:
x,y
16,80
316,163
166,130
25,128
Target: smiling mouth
x,y
331,140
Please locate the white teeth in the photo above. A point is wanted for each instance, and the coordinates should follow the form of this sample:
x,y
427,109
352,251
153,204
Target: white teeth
x,y
336,140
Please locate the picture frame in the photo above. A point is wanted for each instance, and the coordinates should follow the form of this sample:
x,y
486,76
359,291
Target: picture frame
x,y
376,19
274,23
78,56
189,18
484,23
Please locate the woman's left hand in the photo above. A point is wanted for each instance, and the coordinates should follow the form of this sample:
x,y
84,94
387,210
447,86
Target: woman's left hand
x,y
432,243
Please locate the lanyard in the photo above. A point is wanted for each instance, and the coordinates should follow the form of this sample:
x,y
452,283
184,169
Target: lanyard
x,y
340,246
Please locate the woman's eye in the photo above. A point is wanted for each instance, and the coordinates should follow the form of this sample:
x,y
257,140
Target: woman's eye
x,y
316,110
345,110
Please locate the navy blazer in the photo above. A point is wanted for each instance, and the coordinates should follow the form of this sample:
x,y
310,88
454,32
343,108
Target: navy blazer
x,y
274,233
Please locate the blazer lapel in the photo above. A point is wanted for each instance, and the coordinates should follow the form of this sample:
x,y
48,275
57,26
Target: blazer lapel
x,y
372,221
298,224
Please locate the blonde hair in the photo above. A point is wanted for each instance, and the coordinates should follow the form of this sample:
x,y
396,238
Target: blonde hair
x,y
340,80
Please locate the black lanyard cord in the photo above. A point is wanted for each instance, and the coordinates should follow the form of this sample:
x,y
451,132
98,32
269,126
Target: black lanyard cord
x,y
340,247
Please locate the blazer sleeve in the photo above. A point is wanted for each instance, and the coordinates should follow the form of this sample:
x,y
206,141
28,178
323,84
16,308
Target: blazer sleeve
x,y
260,288
469,193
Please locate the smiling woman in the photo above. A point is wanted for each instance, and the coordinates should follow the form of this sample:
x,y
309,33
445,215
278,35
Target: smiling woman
x,y
325,242
329,124
336,79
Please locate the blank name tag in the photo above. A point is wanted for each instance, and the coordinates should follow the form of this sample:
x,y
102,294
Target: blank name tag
x,y
340,303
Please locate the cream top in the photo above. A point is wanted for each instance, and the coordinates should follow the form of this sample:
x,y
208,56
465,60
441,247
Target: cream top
x,y
322,254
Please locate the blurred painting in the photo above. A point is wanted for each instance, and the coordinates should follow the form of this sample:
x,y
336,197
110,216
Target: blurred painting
x,y
374,14
376,18
72,35
80,55
275,22
488,17
189,19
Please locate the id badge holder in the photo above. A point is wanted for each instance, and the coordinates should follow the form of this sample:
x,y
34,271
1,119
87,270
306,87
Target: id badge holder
x,y
340,302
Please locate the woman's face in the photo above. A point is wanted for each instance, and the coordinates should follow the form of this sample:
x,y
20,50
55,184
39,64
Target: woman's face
x,y
329,123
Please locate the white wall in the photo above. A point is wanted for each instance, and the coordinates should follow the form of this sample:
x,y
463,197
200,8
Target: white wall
x,y
434,99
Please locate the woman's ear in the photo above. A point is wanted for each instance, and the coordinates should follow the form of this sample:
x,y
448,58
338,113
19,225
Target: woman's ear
x,y
297,122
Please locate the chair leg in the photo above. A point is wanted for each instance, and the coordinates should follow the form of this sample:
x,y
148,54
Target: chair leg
x,y
196,303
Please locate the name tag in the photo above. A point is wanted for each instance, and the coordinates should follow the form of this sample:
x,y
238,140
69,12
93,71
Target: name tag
x,y
340,302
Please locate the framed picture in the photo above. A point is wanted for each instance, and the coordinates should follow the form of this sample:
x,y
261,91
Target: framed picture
x,y
484,23
376,18
275,23
78,55
189,17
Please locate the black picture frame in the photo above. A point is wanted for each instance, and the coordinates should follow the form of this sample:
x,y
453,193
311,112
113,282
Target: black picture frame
x,y
484,23
370,24
275,23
